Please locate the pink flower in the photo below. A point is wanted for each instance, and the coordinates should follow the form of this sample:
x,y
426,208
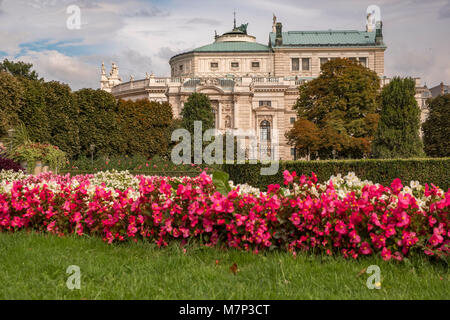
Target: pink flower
x,y
365,248
354,237
386,254
340,227
288,178
390,231
396,186
435,239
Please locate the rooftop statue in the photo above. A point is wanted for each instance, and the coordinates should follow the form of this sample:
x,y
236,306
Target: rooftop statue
x,y
243,28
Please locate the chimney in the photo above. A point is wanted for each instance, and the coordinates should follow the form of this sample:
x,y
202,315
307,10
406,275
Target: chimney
x,y
379,33
442,88
279,34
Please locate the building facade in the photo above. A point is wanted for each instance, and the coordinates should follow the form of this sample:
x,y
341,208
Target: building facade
x,y
253,86
439,90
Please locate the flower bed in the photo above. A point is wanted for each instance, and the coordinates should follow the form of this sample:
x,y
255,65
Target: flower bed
x,y
342,216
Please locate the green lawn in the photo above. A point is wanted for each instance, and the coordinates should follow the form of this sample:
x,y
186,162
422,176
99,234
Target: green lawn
x,y
34,266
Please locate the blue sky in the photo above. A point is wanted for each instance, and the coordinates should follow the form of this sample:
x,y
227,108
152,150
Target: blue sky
x,y
141,35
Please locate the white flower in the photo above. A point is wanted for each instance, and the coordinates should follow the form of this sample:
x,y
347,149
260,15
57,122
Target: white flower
x,y
415,185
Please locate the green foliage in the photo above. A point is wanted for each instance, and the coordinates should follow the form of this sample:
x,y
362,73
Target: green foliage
x,y
397,135
34,152
342,103
220,180
74,122
144,127
436,128
33,111
136,164
23,149
97,122
19,137
62,113
434,171
197,108
11,100
19,69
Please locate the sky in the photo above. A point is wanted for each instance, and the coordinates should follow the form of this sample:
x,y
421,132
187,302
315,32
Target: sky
x,y
141,35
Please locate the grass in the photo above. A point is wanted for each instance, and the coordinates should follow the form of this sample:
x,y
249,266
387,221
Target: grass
x,y
33,266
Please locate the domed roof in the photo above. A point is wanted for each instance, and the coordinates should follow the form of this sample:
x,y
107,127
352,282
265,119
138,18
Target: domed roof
x,y
233,46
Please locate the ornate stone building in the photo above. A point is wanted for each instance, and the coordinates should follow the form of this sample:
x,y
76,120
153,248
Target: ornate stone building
x,y
253,86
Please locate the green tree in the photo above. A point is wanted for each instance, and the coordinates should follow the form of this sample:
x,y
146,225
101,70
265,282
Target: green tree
x,y
19,69
343,104
197,108
436,128
33,112
11,100
97,122
144,126
62,112
397,135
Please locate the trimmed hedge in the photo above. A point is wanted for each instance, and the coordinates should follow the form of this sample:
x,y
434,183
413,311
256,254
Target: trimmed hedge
x,y
434,171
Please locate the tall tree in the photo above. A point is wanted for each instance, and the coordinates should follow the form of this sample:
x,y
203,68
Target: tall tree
x,y
143,126
343,104
62,112
97,122
197,108
33,112
436,128
11,100
19,69
397,135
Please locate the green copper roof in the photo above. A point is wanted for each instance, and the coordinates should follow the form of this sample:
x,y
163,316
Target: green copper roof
x,y
230,46
233,46
326,38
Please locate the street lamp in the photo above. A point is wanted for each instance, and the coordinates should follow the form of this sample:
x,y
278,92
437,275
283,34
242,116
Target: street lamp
x,y
92,148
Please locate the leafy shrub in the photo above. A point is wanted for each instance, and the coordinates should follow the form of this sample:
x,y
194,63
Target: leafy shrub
x,y
135,164
33,152
8,164
434,171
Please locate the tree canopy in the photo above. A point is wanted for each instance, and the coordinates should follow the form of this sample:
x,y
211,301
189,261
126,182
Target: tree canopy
x,y
197,108
341,105
19,69
75,121
436,128
143,127
398,134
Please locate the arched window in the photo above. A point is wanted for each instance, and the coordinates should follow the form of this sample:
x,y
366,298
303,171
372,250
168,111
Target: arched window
x,y
265,130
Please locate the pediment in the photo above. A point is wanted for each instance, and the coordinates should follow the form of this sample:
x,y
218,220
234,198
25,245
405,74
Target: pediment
x,y
263,108
210,90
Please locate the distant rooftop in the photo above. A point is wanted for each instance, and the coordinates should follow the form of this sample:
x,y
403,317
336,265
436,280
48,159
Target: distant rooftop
x,y
344,38
233,46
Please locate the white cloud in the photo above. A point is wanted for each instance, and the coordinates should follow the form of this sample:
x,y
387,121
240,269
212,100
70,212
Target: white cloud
x,y
53,65
141,35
